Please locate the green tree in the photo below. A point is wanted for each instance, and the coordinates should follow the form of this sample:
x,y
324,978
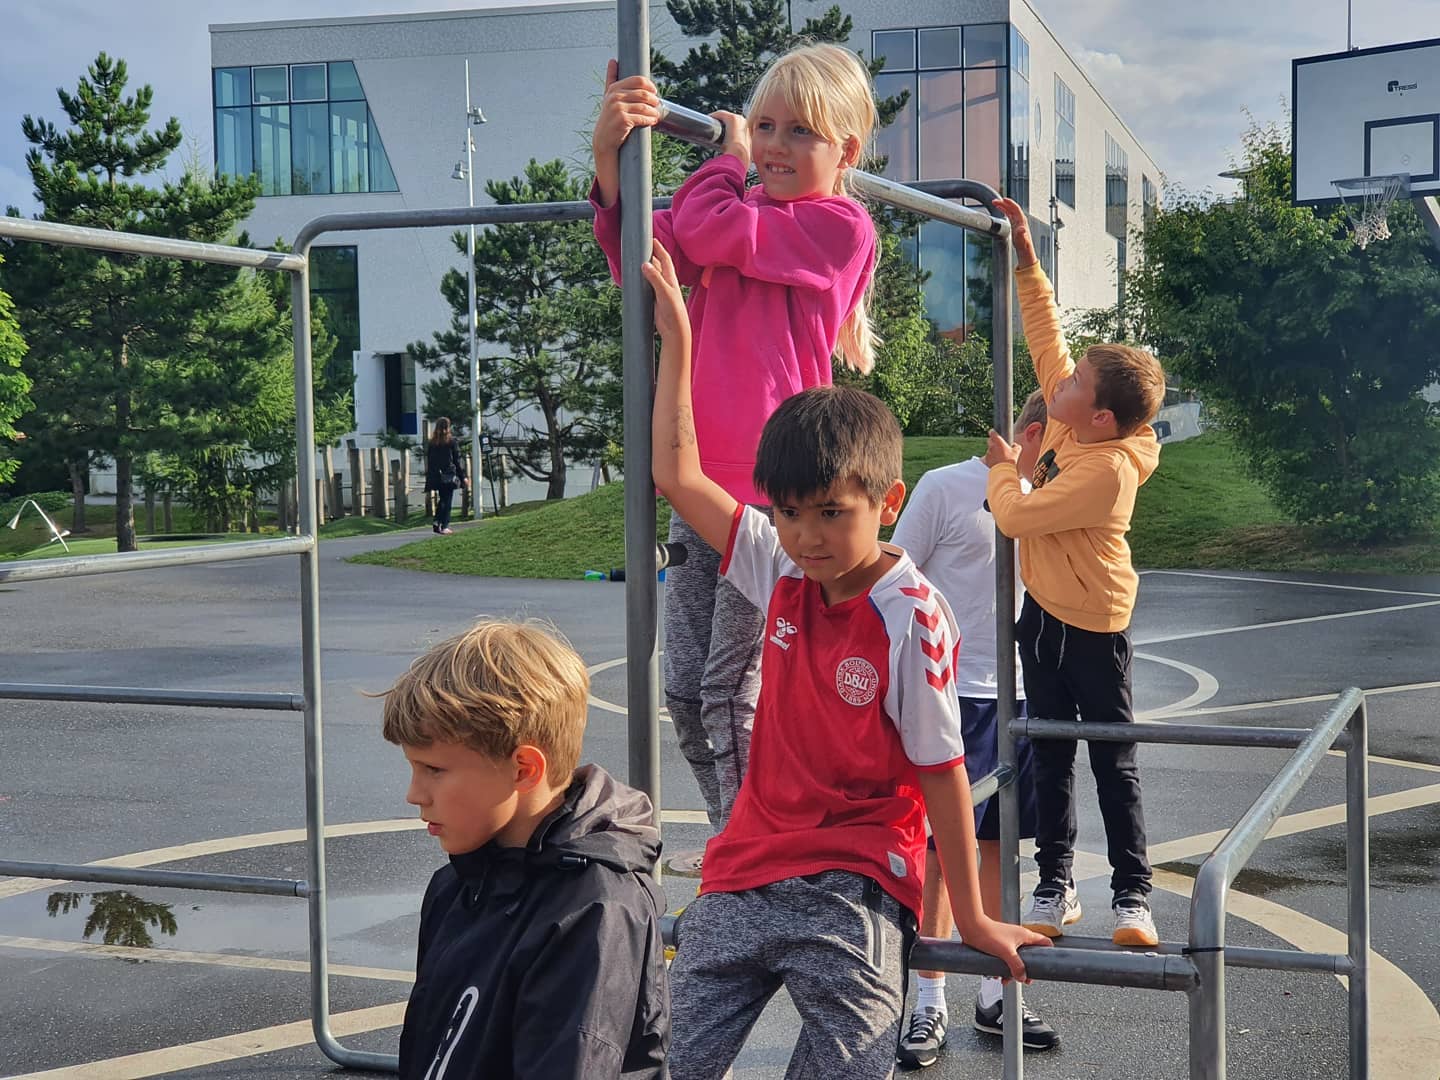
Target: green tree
x,y
14,385
542,292
118,352
1310,350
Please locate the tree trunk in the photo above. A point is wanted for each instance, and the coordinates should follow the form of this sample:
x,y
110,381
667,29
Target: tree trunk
x,y
124,480
77,488
556,490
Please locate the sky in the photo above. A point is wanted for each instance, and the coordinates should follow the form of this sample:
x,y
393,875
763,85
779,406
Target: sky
x,y
1180,73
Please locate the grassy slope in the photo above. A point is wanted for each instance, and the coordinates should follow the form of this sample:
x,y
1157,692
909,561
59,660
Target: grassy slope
x,y
1198,510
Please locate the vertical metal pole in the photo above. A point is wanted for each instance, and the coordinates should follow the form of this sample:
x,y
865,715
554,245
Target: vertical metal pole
x,y
638,312
476,501
1207,1017
310,679
1349,24
1357,881
1004,378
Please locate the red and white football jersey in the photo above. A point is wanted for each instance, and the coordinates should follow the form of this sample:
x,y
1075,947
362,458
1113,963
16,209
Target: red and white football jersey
x,y
854,698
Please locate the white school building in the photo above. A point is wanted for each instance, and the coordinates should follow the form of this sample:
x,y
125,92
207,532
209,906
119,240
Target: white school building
x,y
351,114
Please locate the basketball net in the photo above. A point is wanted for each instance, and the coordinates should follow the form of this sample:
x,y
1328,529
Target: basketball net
x,y
1367,201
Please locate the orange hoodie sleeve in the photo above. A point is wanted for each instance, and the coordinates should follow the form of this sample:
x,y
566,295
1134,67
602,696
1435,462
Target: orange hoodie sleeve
x,y
1040,319
1082,496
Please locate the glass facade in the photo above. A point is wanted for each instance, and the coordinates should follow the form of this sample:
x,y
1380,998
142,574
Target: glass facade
x,y
335,278
1149,198
303,129
1064,142
1117,188
959,121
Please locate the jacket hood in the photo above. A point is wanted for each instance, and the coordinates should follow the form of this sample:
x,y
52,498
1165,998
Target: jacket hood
x,y
600,821
1141,447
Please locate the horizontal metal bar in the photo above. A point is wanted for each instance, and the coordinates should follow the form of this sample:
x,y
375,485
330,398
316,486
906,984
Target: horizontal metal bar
x,y
145,695
1183,734
988,784
86,565
1060,963
160,879
1266,959
49,232
695,127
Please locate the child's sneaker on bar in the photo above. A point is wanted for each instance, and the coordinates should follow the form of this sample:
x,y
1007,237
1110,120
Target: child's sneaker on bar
x,y
1134,925
1052,909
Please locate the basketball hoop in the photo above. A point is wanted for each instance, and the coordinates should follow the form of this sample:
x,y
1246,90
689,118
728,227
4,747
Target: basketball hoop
x,y
1367,201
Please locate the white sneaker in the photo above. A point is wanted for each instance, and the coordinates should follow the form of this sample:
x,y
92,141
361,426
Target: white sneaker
x,y
1051,911
1134,925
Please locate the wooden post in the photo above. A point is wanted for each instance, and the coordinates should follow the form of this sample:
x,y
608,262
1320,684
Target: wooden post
x,y
149,509
404,485
294,485
168,512
504,479
282,511
381,482
333,507
425,457
320,486
397,486
357,481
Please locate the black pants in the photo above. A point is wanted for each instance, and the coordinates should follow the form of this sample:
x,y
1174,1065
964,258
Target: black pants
x,y
444,494
1069,671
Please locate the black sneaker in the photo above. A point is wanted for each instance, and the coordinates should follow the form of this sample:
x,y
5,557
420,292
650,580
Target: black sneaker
x,y
1035,1034
923,1039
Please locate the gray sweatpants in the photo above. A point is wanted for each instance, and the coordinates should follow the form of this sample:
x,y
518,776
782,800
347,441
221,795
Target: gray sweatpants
x,y
835,940
713,637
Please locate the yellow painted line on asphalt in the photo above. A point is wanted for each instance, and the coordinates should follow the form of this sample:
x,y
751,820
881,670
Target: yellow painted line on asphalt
x,y
181,956
197,1055
1404,1024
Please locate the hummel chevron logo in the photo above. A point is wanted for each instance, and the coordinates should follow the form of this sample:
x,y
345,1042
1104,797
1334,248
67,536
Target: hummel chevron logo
x,y
783,629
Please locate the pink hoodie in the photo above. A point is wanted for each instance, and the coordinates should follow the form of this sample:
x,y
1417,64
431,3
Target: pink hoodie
x,y
771,283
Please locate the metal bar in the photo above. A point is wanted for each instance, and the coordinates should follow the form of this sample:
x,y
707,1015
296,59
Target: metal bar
x,y
990,783
1145,971
86,565
638,314
1003,376
1212,884
477,500
1184,734
1357,887
160,879
48,232
1263,959
144,695
694,127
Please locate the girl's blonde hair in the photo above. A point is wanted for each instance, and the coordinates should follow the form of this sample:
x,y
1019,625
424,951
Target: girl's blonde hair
x,y
830,89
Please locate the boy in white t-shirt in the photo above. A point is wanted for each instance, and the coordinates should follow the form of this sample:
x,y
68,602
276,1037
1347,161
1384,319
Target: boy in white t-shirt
x,y
815,882
950,534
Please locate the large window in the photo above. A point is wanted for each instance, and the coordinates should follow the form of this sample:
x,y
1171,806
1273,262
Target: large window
x,y
303,129
1117,187
958,122
1018,185
1149,199
1064,142
335,279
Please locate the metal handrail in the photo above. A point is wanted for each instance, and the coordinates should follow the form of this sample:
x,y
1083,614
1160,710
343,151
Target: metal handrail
x,y
152,559
49,232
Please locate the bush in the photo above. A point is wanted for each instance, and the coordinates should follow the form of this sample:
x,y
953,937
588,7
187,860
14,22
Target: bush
x,y
49,501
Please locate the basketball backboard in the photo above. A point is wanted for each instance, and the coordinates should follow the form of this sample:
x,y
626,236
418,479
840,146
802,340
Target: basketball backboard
x,y
1368,112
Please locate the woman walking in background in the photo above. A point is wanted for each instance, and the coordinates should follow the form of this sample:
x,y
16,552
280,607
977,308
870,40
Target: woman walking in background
x,y
444,472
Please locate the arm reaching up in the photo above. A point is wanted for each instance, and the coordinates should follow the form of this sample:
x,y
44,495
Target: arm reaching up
x,y
1039,317
675,456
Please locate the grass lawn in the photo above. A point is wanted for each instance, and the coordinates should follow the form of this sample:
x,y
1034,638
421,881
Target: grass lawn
x,y
1199,510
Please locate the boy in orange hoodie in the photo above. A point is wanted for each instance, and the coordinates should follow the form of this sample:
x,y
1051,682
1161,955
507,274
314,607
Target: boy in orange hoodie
x,y
1074,628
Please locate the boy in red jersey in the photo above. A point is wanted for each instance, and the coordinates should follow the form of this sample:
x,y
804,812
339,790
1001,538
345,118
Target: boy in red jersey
x,y
815,882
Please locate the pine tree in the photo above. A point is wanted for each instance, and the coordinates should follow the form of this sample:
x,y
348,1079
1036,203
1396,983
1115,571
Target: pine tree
x,y
116,340
543,294
14,385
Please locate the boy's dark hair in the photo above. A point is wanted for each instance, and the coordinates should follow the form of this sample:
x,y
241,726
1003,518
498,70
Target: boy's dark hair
x,y
824,436
1129,382
1034,411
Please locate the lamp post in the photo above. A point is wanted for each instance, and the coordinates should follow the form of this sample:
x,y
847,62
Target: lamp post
x,y
465,170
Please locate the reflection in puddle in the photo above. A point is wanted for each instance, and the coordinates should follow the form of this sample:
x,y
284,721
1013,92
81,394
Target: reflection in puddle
x,y
123,917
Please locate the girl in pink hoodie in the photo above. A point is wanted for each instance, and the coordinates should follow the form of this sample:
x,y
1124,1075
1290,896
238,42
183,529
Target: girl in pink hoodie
x,y
778,275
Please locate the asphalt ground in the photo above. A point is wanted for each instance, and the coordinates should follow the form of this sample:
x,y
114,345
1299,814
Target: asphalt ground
x,y
213,985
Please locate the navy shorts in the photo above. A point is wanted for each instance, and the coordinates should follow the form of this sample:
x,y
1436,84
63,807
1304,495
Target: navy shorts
x,y
977,724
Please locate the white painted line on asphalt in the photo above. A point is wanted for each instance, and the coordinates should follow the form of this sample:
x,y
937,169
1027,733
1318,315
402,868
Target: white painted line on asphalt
x,y
181,956
1206,686
1190,636
197,1055
1287,581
